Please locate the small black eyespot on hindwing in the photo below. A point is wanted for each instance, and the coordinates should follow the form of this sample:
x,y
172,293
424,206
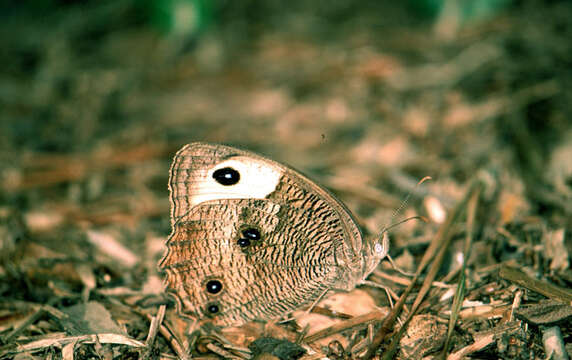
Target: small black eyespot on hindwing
x,y
213,309
243,243
251,233
214,286
226,176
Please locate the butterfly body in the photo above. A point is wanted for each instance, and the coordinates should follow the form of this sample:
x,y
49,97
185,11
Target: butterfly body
x,y
254,239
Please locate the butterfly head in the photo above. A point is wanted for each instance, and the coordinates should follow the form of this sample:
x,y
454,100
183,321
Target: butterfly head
x,y
375,250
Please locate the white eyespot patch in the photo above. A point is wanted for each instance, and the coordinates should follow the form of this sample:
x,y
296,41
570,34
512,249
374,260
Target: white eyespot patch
x,y
256,180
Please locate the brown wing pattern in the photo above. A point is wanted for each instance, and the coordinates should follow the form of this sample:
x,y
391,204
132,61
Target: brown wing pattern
x,y
300,249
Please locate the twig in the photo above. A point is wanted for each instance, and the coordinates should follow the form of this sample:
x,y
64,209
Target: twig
x,y
549,290
345,325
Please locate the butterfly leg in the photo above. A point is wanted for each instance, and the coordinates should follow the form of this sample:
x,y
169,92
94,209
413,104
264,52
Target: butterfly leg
x,y
390,293
309,310
397,268
316,302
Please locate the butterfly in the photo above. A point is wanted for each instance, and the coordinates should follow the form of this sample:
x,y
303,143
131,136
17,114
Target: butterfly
x,y
252,238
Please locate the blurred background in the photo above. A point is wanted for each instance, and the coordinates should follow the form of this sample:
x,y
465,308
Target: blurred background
x,y
367,97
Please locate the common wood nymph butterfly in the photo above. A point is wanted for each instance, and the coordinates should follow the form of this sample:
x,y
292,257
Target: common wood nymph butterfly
x,y
254,239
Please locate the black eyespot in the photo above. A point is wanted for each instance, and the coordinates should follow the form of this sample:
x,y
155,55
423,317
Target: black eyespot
x,y
243,242
214,286
213,308
251,233
226,176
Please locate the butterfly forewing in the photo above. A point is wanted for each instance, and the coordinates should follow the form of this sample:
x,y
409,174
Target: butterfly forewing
x,y
253,248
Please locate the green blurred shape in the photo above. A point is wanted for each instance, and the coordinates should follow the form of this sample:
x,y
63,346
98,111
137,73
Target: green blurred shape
x,y
186,18
468,10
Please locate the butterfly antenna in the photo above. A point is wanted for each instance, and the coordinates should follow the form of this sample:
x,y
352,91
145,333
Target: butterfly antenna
x,y
383,235
416,217
402,206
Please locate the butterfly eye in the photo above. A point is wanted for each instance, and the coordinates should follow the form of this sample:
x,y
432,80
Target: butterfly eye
x,y
226,176
214,286
213,308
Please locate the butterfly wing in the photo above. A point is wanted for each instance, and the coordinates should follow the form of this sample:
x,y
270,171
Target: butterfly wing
x,y
252,239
